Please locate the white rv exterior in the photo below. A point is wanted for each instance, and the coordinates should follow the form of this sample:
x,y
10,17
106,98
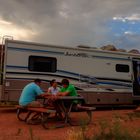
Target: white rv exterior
x,y
102,77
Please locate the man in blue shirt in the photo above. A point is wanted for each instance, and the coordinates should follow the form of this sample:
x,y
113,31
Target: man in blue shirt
x,y
29,94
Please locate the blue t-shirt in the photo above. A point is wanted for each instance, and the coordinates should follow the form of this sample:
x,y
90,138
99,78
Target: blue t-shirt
x,y
29,94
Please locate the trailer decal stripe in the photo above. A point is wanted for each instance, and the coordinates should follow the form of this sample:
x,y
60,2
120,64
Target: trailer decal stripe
x,y
34,50
16,67
99,82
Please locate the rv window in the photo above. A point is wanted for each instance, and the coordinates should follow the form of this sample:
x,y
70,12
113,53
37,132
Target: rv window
x,y
122,68
42,64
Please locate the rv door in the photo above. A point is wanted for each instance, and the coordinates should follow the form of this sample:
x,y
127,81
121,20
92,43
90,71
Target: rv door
x,y
2,49
136,80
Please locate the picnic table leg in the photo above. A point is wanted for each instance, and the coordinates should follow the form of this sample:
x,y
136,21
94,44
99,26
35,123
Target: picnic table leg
x,y
49,123
60,110
44,120
34,119
35,116
28,115
67,113
18,115
22,114
63,111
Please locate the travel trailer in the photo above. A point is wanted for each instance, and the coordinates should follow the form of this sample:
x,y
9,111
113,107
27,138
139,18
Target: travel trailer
x,y
102,77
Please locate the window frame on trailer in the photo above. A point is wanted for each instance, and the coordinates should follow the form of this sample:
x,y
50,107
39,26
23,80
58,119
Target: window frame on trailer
x,y
42,64
122,68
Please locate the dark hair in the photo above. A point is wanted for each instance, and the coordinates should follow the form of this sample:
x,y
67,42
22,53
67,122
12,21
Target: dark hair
x,y
37,80
52,81
65,82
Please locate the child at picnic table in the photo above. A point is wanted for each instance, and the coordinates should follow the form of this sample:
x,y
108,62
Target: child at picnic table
x,y
54,89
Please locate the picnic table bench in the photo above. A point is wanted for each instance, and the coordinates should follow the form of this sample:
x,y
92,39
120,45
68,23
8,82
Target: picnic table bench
x,y
66,106
34,115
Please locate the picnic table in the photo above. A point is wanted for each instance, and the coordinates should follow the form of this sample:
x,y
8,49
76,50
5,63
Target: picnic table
x,y
62,109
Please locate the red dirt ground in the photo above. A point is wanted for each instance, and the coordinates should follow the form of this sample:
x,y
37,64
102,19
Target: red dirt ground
x,y
13,129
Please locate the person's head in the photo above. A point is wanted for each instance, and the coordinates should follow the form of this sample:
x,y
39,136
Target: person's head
x,y
38,81
65,83
53,83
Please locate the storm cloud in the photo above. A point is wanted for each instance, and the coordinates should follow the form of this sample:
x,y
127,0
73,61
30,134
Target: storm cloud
x,y
73,22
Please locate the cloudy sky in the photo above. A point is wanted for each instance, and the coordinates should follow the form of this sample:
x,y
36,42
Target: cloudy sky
x,y
92,23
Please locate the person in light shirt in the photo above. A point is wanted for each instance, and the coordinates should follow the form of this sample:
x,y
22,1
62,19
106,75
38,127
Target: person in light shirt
x,y
54,89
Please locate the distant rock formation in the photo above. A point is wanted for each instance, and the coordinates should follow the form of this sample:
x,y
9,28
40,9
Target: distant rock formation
x,y
134,51
109,48
113,48
121,50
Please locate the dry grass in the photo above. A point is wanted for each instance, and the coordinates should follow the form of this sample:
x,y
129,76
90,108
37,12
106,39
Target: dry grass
x,y
109,130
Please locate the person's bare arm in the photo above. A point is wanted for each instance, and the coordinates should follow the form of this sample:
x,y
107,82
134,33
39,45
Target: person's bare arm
x,y
63,93
49,91
44,94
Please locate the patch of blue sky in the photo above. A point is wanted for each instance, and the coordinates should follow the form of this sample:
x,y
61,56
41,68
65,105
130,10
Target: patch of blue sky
x,y
120,27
